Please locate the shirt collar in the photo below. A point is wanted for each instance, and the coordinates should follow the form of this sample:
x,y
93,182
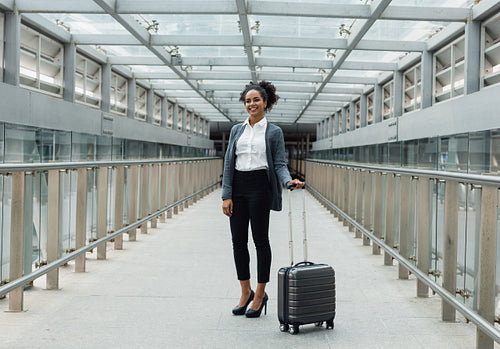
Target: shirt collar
x,y
261,123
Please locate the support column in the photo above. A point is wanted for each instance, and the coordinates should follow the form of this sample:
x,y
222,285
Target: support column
x,y
184,120
131,91
390,213
16,264
132,208
472,59
164,112
175,117
177,187
487,262
119,188
337,123
404,224
150,104
352,116
52,279
69,69
106,88
81,217
423,233
363,110
344,120
427,78
12,49
450,240
398,93
368,207
102,210
377,103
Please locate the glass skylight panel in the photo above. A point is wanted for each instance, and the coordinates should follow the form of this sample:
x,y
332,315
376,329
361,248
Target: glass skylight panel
x,y
177,24
112,50
375,56
297,26
87,23
211,51
433,3
403,30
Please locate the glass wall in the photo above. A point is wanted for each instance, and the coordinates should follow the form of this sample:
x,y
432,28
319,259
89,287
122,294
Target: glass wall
x,y
473,152
25,144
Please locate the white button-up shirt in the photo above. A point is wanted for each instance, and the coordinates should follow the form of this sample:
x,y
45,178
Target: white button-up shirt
x,y
251,147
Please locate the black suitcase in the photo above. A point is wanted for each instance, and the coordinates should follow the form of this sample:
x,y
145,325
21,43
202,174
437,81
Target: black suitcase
x,y
306,291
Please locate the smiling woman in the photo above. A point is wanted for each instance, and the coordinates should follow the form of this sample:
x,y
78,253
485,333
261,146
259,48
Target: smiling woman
x,y
254,173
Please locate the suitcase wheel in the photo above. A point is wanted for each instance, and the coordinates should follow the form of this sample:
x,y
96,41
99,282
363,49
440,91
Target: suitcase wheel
x,y
294,329
284,327
329,324
318,324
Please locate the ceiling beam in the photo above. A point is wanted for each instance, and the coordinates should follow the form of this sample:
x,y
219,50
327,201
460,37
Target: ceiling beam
x,y
257,40
357,33
246,31
229,7
141,34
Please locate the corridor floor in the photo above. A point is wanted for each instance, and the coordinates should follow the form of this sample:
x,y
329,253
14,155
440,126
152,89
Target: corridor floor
x,y
175,287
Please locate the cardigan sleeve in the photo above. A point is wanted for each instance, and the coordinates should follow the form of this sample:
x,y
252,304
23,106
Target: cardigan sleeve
x,y
279,161
228,173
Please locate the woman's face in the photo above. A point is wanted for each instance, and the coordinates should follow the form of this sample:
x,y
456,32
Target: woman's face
x,y
254,104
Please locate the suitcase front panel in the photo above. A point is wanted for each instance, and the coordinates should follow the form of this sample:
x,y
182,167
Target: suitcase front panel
x,y
310,302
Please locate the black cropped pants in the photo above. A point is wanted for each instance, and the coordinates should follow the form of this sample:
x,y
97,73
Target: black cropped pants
x,y
251,203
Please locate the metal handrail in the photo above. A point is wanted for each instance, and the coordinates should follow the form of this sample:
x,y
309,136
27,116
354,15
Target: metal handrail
x,y
44,166
479,321
441,175
20,282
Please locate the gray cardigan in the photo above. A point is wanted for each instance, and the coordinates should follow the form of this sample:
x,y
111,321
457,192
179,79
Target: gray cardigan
x,y
277,171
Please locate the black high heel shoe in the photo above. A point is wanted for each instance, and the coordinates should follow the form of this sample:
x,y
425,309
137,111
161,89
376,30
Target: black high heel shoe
x,y
256,313
241,310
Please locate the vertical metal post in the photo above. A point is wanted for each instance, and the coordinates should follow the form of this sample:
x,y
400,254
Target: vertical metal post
x,y
390,212
12,50
119,188
363,110
177,187
423,233
359,201
427,78
154,193
81,217
102,210
351,174
472,73
487,262
450,239
377,214
16,265
377,103
132,207
170,169
345,193
368,210
144,197
106,88
182,183
69,69
52,279
163,190
404,225
131,91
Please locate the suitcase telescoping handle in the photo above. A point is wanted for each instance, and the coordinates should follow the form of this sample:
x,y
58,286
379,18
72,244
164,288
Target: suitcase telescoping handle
x,y
290,243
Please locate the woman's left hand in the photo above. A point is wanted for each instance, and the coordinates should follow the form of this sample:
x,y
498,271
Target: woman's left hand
x,y
296,183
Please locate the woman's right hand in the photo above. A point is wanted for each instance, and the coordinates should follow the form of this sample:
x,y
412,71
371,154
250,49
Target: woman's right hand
x,y
227,207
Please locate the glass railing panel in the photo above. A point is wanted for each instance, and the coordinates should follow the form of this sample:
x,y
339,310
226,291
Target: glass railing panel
x,y
67,216
462,239
6,211
126,195
437,230
473,225
110,219
397,211
91,205
497,276
413,221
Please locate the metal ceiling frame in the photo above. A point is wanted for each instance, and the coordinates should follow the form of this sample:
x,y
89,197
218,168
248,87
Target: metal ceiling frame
x,y
305,84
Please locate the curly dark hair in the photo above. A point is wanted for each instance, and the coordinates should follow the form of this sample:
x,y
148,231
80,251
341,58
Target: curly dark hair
x,y
267,91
